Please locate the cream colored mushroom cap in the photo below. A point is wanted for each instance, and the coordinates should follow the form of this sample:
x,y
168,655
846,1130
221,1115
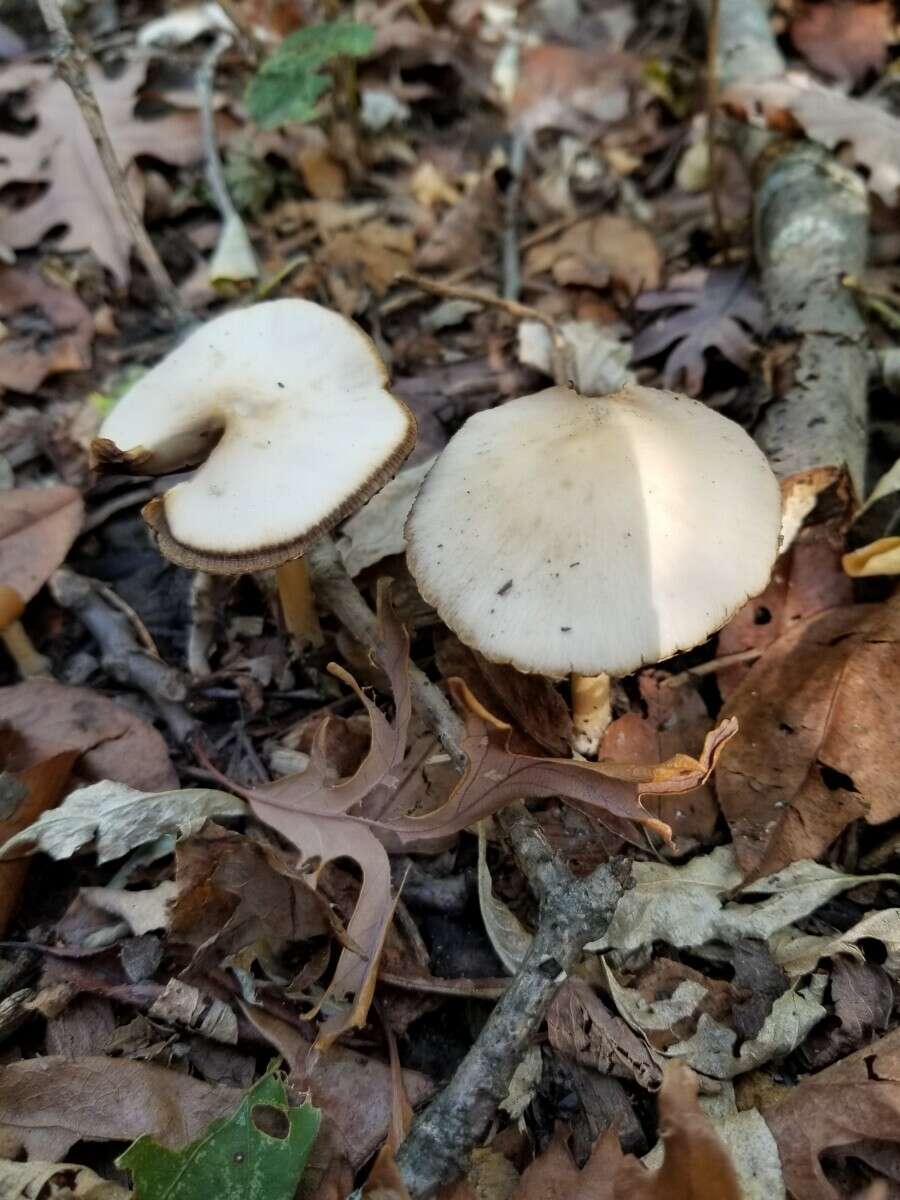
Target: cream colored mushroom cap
x,y
564,533
289,401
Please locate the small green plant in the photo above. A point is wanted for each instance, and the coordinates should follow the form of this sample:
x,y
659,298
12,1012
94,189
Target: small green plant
x,y
288,85
258,1153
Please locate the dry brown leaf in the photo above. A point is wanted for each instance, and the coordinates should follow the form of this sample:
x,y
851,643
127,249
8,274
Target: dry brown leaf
x,y
567,87
60,153
580,1026
51,1103
49,330
845,39
44,783
114,744
368,257
851,1102
818,748
599,250
461,236
826,116
37,527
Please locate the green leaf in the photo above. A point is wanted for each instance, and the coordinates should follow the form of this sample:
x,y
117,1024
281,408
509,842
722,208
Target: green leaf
x,y
288,84
258,1153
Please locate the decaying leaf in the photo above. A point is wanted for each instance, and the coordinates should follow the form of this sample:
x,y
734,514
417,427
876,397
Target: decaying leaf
x,y
689,905
116,819
60,153
49,330
376,531
851,1104
143,910
580,1026
719,309
817,751
51,1103
799,953
600,251
509,937
31,1180
112,742
845,39
572,88
257,1153
829,117
37,527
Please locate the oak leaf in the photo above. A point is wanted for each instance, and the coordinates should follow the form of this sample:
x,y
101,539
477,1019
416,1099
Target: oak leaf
x,y
60,154
37,527
49,330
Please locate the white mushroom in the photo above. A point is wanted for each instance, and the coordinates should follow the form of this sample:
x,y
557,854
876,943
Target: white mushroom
x,y
570,534
285,405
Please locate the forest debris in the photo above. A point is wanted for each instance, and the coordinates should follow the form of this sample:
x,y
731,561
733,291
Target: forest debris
x,y
37,528
716,309
51,1103
799,953
600,251
507,934
49,330
881,557
580,1026
25,1180
376,531
184,1005
826,116
848,1104
815,752
572,88
599,358
115,819
113,743
144,910
845,39
61,154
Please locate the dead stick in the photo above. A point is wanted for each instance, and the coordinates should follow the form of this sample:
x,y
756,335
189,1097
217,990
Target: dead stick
x,y
73,66
712,110
522,312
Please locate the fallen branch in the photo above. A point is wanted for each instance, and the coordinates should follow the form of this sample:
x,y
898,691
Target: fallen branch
x,y
572,913
122,654
811,229
72,65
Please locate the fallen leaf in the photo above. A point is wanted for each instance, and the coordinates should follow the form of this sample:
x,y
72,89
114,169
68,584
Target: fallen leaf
x,y
719,309
49,330
580,1026
112,742
689,905
179,1004
881,557
599,359
37,527
571,88
51,1103
143,911
799,953
43,784
845,39
598,251
461,236
817,751
115,819
853,1101
509,937
28,1180
828,117
376,531
60,153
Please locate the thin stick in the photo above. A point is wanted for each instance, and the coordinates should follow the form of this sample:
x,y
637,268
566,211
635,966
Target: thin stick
x,y
712,111
73,67
522,312
512,272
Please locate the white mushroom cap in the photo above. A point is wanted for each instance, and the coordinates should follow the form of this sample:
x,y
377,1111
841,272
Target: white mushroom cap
x,y
565,533
289,400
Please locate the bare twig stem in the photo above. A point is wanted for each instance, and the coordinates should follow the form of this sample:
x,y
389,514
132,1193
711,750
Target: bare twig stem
x,y
512,268
712,111
73,67
122,654
522,312
206,78
247,38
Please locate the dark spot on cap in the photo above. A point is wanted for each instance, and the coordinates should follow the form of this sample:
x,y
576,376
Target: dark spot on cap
x,y
565,629
575,564
281,385
507,587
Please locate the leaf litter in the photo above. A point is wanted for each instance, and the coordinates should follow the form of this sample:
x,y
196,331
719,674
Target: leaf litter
x,y
156,958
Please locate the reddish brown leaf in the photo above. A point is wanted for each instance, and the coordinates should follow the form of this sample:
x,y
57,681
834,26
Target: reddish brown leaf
x,y
37,527
855,1100
31,308
844,38
818,747
580,1026
567,87
44,785
598,251
114,744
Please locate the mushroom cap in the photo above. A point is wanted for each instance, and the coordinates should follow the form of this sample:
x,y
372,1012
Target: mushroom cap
x,y
289,401
565,533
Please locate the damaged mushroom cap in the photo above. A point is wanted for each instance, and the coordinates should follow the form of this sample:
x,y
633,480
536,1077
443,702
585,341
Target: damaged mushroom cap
x,y
289,402
564,533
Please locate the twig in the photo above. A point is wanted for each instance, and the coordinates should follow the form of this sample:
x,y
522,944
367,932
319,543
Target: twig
x,y
72,64
512,275
712,112
522,312
710,667
246,36
122,655
573,912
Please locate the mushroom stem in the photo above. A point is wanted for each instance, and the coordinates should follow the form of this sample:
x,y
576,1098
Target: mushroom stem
x,y
591,711
16,640
298,603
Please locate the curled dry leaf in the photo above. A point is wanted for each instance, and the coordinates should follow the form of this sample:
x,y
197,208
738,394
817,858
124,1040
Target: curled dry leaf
x,y
116,819
799,953
845,39
818,715
37,527
850,1103
25,1181
49,330
599,251
112,742
580,1026
509,937
826,116
51,1103
719,309
60,153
